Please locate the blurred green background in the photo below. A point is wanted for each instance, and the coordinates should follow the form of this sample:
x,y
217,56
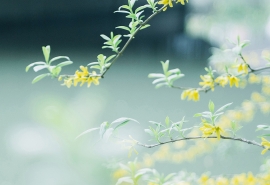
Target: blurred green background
x,y
39,122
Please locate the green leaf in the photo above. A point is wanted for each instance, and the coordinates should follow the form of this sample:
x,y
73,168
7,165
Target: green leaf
x,y
57,58
131,3
149,132
223,107
123,119
156,75
64,63
103,128
263,127
159,80
142,7
123,28
87,131
167,121
95,67
39,77
211,106
105,37
160,85
145,26
197,115
46,52
39,67
109,58
165,66
56,71
32,64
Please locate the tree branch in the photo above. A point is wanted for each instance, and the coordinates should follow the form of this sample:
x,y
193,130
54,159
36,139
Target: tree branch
x,y
200,137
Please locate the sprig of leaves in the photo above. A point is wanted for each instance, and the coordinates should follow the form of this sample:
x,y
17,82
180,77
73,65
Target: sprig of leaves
x,y
54,70
160,178
212,115
107,129
134,173
135,16
112,42
168,129
168,77
102,64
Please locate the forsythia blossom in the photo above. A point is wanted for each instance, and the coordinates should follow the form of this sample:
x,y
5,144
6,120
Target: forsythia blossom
x,y
170,3
243,67
208,81
208,129
82,77
266,144
192,94
222,80
234,81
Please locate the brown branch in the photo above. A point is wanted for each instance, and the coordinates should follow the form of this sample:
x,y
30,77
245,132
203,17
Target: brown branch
x,y
200,137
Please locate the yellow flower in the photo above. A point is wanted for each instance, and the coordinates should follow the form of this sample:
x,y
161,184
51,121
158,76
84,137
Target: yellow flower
x,y
208,129
243,67
95,78
222,80
68,82
192,94
254,79
166,2
265,144
208,81
234,81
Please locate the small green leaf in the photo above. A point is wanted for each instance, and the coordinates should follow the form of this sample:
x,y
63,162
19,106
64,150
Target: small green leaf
x,y
46,52
103,127
197,115
56,71
59,57
123,28
87,131
105,37
223,107
39,77
145,26
211,106
160,85
32,64
165,66
64,63
156,75
39,67
167,121
119,120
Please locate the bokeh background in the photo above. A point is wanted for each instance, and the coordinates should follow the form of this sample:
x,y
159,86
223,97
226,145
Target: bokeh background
x,y
39,123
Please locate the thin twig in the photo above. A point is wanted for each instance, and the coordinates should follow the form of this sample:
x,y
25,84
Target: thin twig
x,y
200,137
131,37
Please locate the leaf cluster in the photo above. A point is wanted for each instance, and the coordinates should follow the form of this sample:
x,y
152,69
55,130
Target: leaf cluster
x,y
102,64
168,129
168,77
54,70
107,129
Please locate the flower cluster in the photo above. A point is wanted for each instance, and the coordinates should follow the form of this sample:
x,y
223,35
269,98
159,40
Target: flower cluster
x,y
266,144
209,129
191,94
170,2
82,77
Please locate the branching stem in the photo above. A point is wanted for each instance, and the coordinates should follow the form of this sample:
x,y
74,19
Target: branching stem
x,y
200,137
